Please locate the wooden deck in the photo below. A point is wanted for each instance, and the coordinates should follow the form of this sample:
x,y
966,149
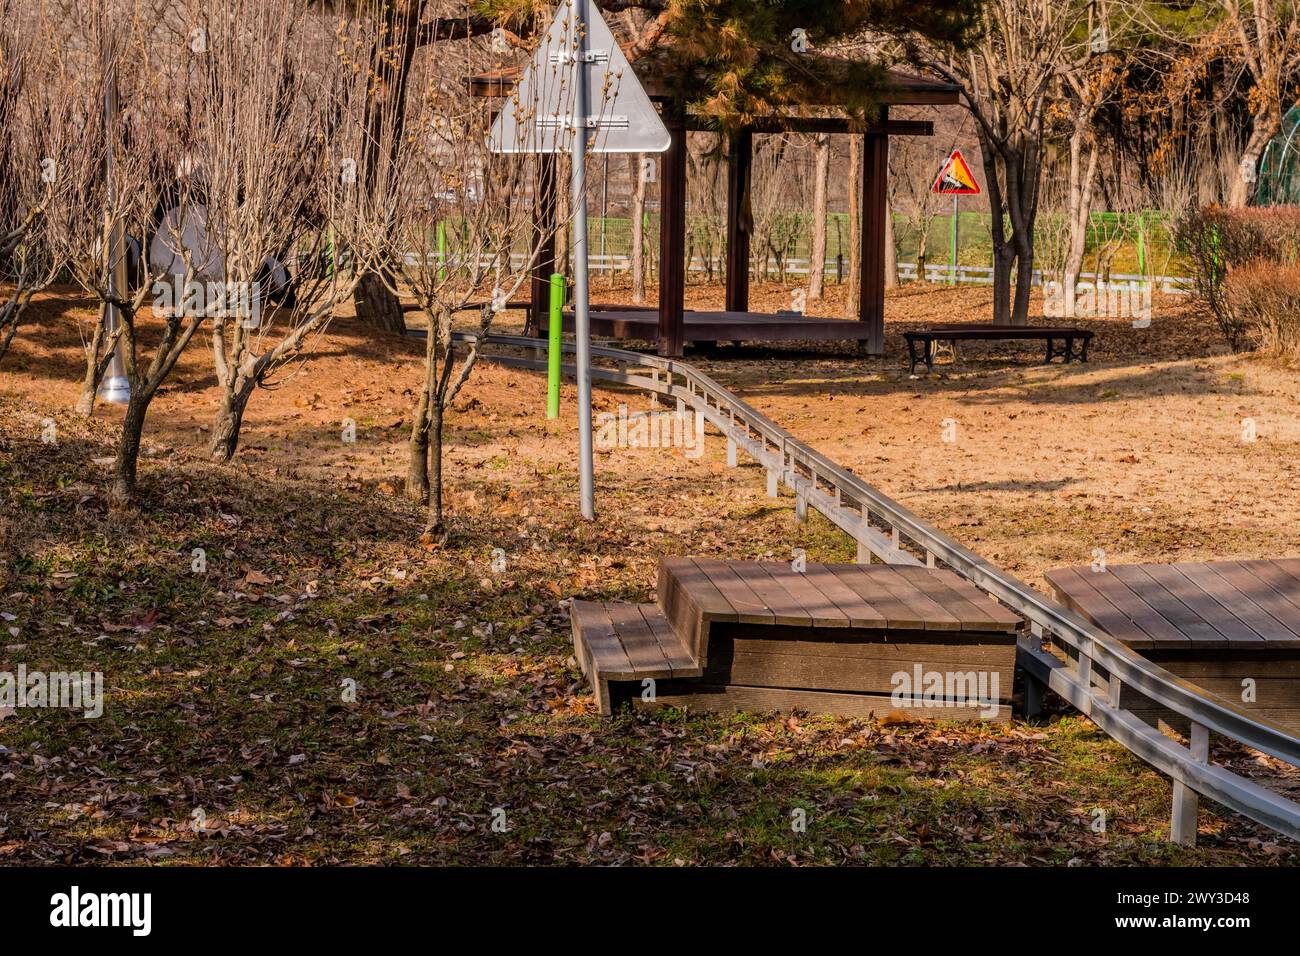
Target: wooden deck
x,y
729,635
643,325
1232,627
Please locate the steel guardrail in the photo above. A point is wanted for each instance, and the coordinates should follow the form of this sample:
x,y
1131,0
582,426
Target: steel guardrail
x,y
1090,669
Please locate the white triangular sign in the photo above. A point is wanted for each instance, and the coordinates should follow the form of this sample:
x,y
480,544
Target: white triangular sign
x,y
538,116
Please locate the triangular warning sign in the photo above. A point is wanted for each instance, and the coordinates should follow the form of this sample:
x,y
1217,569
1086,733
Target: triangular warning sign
x,y
955,178
538,116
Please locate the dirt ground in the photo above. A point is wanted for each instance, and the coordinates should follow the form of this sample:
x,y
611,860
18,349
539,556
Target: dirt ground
x,y
316,567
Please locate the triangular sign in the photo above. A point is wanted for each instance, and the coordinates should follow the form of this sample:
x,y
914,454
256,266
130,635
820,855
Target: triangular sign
x,y
538,116
955,178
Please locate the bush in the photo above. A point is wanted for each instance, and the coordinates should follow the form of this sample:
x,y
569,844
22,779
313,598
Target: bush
x,y
1219,242
1265,298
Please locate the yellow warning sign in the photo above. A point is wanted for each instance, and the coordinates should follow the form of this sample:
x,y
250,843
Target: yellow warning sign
x,y
955,178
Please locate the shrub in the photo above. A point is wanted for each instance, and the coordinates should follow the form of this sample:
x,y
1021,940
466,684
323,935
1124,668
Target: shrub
x,y
1219,242
1265,298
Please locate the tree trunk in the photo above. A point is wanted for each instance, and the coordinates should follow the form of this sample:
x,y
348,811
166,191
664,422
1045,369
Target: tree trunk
x,y
378,306
122,490
417,469
1004,254
638,229
94,369
230,420
1264,126
1082,177
855,223
817,261
435,518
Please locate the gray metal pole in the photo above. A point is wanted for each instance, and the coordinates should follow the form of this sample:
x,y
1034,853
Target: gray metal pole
x,y
115,386
582,318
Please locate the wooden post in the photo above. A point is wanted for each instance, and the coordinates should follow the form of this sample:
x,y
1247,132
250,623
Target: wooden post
x,y
544,233
1187,802
875,204
740,156
672,238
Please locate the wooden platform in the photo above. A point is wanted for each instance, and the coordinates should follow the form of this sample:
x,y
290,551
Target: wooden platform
x,y
839,639
643,324
1216,624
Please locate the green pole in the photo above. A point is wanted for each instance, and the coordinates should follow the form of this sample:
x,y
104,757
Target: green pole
x,y
329,245
442,250
1141,244
554,329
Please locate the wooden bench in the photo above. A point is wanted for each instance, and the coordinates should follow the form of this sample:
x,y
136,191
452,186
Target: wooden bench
x,y
983,331
853,640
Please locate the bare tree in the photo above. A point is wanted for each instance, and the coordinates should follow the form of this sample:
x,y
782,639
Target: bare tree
x,y
1266,39
26,265
447,174
109,168
277,126
1006,78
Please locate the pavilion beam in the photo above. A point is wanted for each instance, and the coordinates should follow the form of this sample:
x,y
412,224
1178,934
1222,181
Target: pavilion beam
x,y
817,124
544,235
672,238
740,154
875,204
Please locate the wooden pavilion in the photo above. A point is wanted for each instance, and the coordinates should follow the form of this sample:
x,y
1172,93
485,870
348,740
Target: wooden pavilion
x,y
671,326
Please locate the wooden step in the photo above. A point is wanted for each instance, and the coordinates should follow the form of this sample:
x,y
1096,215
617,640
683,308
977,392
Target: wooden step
x,y
626,643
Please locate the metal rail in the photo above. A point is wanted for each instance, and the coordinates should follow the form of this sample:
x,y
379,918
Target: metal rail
x,y
1059,649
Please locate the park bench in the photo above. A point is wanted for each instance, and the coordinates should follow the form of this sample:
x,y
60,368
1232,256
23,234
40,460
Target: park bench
x,y
983,331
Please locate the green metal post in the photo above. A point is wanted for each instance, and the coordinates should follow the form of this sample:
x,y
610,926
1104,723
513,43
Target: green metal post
x,y
554,329
442,250
1141,243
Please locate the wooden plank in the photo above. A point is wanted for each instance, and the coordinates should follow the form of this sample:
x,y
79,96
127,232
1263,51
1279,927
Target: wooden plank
x,y
786,609
1075,591
1108,592
1237,602
899,614
596,631
1282,585
1188,623
679,658
973,609
750,608
859,612
934,617
1173,580
821,610
691,603
1247,585
796,668
639,642
1236,662
731,698
895,647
